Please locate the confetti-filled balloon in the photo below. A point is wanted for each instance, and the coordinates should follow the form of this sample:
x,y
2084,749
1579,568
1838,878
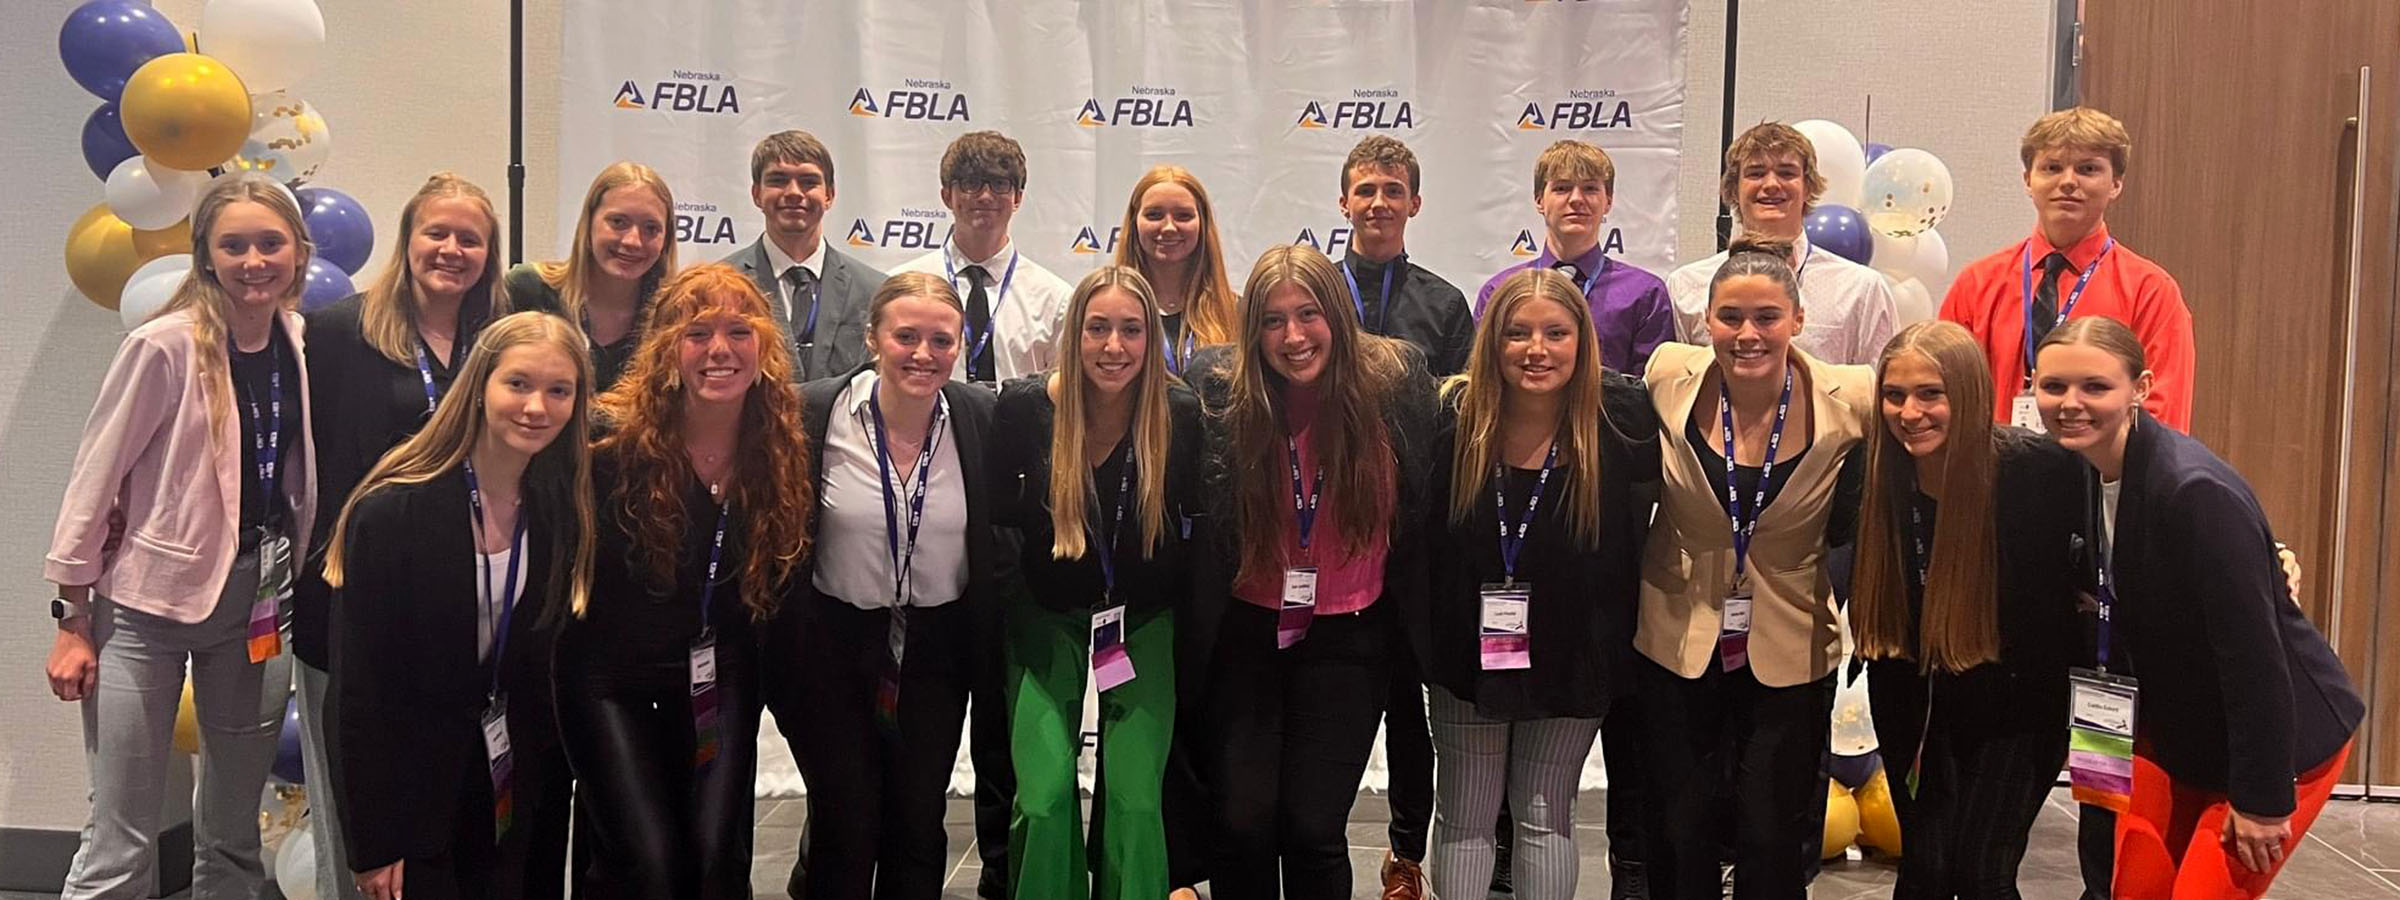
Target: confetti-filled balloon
x,y
1907,192
288,139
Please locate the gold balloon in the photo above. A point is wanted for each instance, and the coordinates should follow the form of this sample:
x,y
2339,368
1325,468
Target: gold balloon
x,y
187,723
1878,822
176,238
185,111
101,255
1841,819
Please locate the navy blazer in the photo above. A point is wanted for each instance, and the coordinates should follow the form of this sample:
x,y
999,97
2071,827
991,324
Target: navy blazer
x,y
848,289
2240,694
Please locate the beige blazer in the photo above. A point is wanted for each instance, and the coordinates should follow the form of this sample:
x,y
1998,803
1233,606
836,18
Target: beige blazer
x,y
1687,567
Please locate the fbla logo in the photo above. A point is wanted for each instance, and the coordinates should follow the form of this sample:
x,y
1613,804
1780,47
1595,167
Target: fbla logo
x,y
1156,107
1583,110
683,91
701,223
916,228
1336,242
1087,242
1379,109
1525,247
919,99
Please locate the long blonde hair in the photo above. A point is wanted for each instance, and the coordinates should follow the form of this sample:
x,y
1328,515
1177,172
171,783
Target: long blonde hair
x,y
1070,477
387,313
559,477
1482,395
1961,622
206,298
569,276
1353,447
1208,310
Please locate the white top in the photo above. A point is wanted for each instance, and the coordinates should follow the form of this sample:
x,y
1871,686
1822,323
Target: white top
x,y
1025,320
2108,514
854,555
490,568
782,264
1849,307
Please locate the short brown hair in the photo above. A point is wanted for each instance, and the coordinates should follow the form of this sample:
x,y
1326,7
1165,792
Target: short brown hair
x,y
984,155
1768,140
1573,159
2078,128
793,146
1383,153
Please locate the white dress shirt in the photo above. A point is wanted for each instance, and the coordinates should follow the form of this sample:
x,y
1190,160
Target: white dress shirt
x,y
854,548
1849,307
782,264
1025,317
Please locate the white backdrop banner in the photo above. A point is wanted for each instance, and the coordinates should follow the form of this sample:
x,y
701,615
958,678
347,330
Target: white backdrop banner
x,y
1261,99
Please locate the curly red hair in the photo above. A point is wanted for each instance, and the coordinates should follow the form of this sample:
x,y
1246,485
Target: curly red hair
x,y
770,485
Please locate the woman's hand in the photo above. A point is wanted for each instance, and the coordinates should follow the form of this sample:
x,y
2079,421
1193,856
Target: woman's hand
x,y
73,667
380,884
2257,841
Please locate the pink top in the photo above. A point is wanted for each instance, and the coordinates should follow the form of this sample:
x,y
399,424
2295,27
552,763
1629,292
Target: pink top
x,y
148,453
1345,584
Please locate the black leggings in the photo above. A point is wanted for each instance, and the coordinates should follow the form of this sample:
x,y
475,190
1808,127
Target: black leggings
x,y
662,826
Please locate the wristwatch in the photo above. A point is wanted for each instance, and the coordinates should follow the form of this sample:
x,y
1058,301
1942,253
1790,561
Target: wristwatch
x,y
62,608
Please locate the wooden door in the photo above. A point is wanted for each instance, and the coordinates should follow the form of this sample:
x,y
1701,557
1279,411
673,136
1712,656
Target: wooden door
x,y
2249,152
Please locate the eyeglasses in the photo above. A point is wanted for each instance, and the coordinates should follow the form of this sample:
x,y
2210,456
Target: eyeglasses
x,y
972,186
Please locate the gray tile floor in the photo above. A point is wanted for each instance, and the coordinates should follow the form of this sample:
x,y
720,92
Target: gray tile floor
x,y
2352,853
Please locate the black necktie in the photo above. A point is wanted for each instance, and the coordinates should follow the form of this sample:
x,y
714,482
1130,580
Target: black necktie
x,y
1573,272
799,288
2045,295
979,326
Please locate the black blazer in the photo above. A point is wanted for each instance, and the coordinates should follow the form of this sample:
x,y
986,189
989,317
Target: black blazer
x,y
991,551
1408,420
1020,459
408,689
2240,693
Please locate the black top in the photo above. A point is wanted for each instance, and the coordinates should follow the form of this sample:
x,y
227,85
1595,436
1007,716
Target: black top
x,y
2036,505
1425,310
362,404
2240,693
1582,609
1020,455
409,688
527,290
254,394
635,629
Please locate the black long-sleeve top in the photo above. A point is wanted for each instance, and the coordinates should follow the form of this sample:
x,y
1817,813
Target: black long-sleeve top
x,y
1424,309
254,376
1020,451
527,290
636,630
1581,612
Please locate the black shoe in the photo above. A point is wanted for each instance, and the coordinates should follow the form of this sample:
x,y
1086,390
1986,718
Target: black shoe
x,y
992,885
1627,880
1503,883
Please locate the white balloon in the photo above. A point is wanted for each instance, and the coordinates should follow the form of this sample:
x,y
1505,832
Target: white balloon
x,y
269,44
151,286
1923,256
1839,158
1908,192
296,863
151,197
288,139
1912,302
1893,254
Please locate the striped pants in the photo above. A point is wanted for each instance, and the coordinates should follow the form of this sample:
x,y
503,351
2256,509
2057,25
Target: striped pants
x,y
1538,764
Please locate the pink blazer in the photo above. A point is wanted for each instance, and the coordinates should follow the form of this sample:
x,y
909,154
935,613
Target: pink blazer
x,y
148,453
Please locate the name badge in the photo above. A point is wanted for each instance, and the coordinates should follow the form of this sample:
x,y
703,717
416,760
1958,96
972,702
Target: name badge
x,y
1506,632
1111,665
1299,606
265,634
1737,611
2100,712
703,664
497,757
703,668
2024,413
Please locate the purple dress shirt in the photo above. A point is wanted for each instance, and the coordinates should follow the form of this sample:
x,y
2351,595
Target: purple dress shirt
x,y
1630,307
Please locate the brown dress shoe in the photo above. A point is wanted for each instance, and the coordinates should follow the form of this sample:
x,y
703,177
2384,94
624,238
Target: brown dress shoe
x,y
1402,879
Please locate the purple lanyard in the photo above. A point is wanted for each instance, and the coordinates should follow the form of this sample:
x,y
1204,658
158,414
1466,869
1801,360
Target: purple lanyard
x,y
1744,523
1383,305
1916,540
904,555
1166,348
2025,261
267,445
975,342
716,553
516,555
1513,546
425,373
1116,529
1304,512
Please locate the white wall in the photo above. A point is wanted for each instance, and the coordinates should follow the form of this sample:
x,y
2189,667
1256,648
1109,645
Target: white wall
x,y
411,88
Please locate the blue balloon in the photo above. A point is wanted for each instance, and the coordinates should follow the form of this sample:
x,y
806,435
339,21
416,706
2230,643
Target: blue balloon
x,y
287,746
1853,771
1842,230
326,283
104,141
1875,151
339,227
104,41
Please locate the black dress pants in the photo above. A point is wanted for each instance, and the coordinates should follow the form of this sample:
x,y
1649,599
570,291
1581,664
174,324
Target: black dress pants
x,y
1408,754
1986,767
1724,734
